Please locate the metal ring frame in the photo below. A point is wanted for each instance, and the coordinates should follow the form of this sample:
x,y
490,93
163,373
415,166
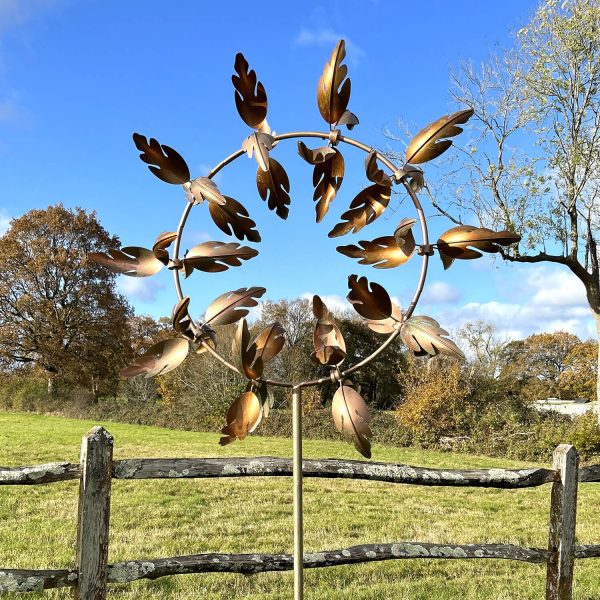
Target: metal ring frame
x,y
424,256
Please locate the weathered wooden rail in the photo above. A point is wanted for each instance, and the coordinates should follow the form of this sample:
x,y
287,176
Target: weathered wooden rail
x,y
97,469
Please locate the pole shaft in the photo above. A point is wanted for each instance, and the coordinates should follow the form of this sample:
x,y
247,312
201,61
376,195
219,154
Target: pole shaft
x,y
298,517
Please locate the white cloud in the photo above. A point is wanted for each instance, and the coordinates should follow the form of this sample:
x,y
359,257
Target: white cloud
x,y
15,13
334,302
327,37
139,288
439,292
4,221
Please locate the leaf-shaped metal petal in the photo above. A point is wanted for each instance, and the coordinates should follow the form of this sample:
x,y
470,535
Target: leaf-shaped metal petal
x,y
270,342
327,175
364,209
159,359
274,186
163,241
250,95
167,164
333,91
131,260
247,352
374,303
330,347
388,325
373,172
382,252
351,418
232,218
423,335
349,119
204,188
205,335
182,322
232,306
259,145
213,257
429,143
459,242
242,418
413,176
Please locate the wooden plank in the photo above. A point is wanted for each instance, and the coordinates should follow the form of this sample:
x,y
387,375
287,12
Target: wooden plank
x,y
268,466
21,580
563,510
32,475
94,514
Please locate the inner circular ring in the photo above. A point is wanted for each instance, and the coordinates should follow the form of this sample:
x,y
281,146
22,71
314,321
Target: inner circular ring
x,y
424,256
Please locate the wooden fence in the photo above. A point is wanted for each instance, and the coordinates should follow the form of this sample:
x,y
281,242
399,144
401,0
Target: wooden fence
x,y
97,468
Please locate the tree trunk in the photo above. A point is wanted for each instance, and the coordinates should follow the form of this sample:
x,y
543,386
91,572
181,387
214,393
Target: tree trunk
x,y
596,317
50,386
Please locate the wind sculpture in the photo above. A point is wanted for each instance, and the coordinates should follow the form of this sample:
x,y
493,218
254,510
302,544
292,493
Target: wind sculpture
x,y
421,334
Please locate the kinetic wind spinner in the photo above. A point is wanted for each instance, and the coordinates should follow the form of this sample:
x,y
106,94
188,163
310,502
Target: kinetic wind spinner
x,y
422,335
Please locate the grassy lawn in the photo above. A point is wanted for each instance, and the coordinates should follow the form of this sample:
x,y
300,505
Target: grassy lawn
x,y
152,519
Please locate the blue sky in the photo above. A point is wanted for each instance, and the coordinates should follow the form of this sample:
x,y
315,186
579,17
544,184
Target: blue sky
x,y
77,78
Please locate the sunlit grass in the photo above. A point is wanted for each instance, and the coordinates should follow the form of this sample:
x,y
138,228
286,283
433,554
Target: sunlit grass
x,y
159,518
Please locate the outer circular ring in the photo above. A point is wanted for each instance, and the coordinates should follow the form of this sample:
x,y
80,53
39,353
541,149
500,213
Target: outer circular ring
x,y
424,262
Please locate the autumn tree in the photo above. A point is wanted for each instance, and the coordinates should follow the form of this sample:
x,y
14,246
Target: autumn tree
x,y
533,163
58,311
578,378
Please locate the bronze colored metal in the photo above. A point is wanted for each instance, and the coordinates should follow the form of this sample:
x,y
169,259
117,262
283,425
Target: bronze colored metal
x,y
389,325
259,145
163,241
182,322
423,335
232,306
330,347
250,95
384,252
273,186
167,164
203,188
349,119
374,304
270,342
233,219
333,91
131,260
328,174
206,336
429,143
214,257
251,363
459,242
373,172
242,417
159,359
351,418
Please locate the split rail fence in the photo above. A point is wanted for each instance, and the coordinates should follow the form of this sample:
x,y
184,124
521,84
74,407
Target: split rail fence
x,y
97,469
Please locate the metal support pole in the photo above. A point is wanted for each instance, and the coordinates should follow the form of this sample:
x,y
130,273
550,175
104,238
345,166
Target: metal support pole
x,y
297,469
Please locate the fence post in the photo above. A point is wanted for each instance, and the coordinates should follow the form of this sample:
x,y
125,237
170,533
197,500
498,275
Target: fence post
x,y
94,513
563,510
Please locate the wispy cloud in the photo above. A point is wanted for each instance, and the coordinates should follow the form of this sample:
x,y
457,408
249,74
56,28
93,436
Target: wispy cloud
x,y
4,221
439,292
137,288
327,37
16,13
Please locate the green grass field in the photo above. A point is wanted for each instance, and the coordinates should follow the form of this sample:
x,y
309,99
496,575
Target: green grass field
x,y
152,519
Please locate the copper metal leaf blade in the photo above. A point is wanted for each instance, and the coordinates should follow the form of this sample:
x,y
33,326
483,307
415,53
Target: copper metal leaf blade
x,y
259,146
373,172
131,260
247,353
364,209
232,218
316,155
250,95
429,143
383,252
232,306
204,188
242,417
374,304
388,325
159,359
329,344
274,186
214,257
333,90
167,164
351,418
464,241
182,322
349,119
424,335
163,241
270,342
